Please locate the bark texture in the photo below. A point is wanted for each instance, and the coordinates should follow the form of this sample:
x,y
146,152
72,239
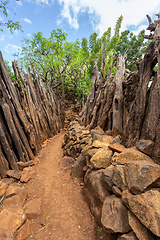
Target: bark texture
x,y
128,106
29,114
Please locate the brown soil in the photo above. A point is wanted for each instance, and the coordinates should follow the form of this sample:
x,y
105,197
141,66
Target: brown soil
x,y
65,214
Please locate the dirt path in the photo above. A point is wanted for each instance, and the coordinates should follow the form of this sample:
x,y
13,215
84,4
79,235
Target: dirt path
x,y
65,215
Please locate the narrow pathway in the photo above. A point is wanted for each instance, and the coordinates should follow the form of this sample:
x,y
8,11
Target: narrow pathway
x,y
65,215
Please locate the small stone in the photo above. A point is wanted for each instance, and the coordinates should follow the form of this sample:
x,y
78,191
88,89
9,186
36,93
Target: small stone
x,y
6,235
125,195
115,215
97,130
114,158
129,236
66,163
116,191
145,146
3,188
90,152
117,139
33,208
24,231
14,174
7,180
85,168
25,177
27,169
14,190
87,140
102,158
22,165
11,220
84,134
117,147
103,138
98,144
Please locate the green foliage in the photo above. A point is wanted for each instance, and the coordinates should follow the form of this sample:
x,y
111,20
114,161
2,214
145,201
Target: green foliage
x,y
61,62
135,46
10,71
12,26
68,65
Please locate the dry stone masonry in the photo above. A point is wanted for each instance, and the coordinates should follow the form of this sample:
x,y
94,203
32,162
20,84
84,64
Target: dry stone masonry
x,y
121,185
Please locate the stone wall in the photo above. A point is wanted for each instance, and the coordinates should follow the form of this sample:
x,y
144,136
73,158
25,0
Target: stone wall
x,y
121,185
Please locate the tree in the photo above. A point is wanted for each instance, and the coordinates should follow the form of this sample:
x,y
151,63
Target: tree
x,y
62,63
135,46
10,24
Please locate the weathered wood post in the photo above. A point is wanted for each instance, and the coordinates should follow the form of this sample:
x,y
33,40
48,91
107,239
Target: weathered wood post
x,y
118,96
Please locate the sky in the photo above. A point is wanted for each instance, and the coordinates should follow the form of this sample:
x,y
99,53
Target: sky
x,y
78,18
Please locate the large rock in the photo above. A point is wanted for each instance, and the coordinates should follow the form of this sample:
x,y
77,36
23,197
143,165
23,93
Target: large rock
x,y
33,208
119,177
95,192
130,154
13,202
140,174
145,146
129,236
115,215
93,182
107,177
102,158
139,229
146,208
11,220
77,167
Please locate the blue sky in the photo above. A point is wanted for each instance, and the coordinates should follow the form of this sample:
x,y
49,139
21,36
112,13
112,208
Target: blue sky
x,y
78,18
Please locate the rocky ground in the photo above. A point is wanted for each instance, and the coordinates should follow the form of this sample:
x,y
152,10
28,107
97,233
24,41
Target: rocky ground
x,y
42,201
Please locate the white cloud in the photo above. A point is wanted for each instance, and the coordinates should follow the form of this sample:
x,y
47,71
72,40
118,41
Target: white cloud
x,y
2,38
26,20
40,1
104,14
11,48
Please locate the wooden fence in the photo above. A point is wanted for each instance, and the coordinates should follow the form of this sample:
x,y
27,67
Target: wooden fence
x,y
29,114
